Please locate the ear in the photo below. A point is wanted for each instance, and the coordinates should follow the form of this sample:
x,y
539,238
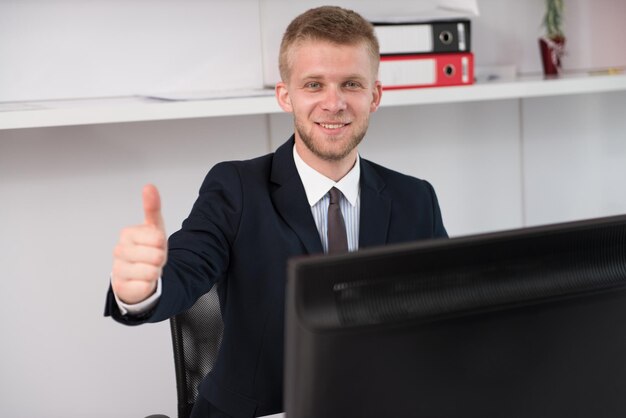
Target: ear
x,y
282,95
376,96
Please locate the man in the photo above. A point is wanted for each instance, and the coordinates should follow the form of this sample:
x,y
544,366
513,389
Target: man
x,y
251,216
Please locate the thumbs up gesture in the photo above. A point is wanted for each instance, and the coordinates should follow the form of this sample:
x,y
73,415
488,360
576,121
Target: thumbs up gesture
x,y
141,253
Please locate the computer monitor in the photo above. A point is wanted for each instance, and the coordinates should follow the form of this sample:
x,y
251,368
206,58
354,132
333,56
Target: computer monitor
x,y
526,323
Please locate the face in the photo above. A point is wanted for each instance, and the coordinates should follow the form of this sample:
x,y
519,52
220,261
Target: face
x,y
331,91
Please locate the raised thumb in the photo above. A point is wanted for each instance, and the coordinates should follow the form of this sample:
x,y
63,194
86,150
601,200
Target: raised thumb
x,y
152,206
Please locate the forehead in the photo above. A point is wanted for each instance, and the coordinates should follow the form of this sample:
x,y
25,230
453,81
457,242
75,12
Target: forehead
x,y
324,58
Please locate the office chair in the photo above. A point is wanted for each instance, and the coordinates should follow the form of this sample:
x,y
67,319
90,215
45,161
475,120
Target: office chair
x,y
196,339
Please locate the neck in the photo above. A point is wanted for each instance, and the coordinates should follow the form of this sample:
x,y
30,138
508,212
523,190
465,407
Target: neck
x,y
333,169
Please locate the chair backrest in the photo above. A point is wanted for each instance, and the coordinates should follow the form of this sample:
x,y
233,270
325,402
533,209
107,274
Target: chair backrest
x,y
196,338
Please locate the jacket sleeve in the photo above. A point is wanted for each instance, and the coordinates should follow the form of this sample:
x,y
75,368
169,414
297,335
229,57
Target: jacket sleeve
x,y
198,253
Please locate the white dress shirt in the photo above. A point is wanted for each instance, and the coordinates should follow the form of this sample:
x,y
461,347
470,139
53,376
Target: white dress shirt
x,y
316,187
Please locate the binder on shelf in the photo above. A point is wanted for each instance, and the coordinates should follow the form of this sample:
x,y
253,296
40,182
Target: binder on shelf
x,y
423,37
426,70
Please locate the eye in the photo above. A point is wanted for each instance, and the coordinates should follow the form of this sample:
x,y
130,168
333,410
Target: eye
x,y
353,84
312,85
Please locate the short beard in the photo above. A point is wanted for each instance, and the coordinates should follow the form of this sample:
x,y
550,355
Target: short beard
x,y
327,155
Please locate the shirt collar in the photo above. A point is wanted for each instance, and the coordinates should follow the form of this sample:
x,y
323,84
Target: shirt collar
x,y
316,185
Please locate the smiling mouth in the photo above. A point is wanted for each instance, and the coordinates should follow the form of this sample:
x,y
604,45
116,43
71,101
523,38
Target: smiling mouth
x,y
332,125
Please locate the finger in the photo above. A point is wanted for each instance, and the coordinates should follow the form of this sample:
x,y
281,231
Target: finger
x,y
143,235
124,271
132,292
140,254
152,206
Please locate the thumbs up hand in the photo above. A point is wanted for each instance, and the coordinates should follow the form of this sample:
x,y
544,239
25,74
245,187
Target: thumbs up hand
x,y
141,253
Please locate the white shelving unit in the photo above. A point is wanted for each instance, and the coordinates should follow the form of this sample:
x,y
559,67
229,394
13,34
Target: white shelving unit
x,y
136,109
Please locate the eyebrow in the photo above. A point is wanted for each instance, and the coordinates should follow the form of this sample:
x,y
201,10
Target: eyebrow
x,y
321,77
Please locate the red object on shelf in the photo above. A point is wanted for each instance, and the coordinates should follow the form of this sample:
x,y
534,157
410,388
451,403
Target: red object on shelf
x,y
426,70
552,49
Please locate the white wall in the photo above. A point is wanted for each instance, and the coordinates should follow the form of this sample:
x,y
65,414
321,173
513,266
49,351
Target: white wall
x,y
89,48
574,154
65,192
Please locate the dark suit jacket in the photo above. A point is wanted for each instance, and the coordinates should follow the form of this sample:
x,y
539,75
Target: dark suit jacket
x,y
249,218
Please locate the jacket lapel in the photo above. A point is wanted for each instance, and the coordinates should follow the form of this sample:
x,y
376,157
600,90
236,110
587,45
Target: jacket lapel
x,y
375,208
290,199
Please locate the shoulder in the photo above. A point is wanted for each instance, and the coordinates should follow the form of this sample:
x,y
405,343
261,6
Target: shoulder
x,y
413,200
240,170
257,163
391,180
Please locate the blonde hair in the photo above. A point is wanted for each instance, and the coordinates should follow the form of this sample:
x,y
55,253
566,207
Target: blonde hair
x,y
327,23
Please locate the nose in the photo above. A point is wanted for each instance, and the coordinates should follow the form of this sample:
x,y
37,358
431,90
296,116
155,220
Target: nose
x,y
334,100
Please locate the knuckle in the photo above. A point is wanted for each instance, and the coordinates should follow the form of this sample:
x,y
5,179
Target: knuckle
x,y
145,272
146,286
159,258
118,251
154,274
160,239
117,272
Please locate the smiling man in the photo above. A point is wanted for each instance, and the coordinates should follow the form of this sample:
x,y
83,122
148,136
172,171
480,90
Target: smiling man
x,y
313,195
329,71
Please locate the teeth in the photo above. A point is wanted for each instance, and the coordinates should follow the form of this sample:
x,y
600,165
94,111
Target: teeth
x,y
332,126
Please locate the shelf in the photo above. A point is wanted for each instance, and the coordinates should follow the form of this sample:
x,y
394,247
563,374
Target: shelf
x,y
126,109
136,109
520,88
